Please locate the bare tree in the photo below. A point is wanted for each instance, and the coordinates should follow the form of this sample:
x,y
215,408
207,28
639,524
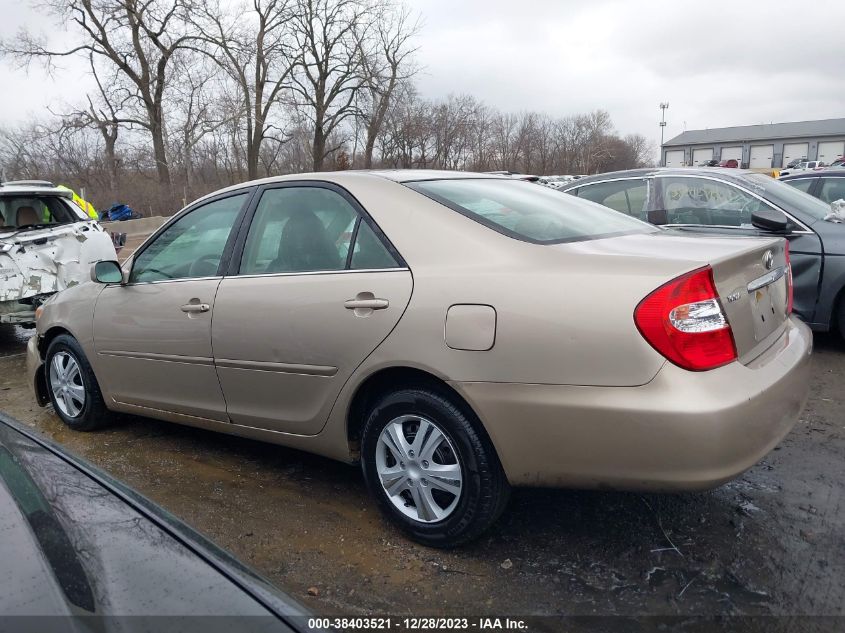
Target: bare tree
x,y
103,112
387,63
328,69
251,42
137,38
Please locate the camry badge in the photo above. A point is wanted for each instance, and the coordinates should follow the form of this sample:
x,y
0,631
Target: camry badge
x,y
768,260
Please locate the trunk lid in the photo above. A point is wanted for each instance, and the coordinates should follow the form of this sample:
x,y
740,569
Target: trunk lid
x,y
749,272
753,288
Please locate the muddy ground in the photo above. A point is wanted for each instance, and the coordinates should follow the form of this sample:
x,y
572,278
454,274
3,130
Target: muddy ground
x,y
772,542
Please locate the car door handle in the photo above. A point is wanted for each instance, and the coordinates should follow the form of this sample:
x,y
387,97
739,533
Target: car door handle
x,y
366,304
195,307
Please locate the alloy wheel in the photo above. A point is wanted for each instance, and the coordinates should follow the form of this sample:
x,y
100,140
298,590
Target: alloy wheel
x,y
419,468
66,384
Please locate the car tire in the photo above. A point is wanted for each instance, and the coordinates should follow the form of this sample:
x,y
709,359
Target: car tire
x,y
72,386
427,477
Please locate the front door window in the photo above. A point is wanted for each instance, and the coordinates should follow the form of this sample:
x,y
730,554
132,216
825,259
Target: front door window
x,y
192,246
706,202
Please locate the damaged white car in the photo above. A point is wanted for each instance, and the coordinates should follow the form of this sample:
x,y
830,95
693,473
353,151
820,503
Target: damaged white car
x,y
47,244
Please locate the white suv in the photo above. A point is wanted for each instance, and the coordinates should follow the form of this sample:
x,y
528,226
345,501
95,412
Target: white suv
x,y
47,244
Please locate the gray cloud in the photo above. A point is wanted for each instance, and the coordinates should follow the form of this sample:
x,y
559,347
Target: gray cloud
x,y
717,63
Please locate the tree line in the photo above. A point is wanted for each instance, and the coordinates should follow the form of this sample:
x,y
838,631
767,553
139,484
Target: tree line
x,y
193,95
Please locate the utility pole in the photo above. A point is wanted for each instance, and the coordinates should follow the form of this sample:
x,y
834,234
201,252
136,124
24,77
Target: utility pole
x,y
663,107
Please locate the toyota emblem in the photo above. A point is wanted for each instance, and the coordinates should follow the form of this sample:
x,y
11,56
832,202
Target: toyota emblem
x,y
768,260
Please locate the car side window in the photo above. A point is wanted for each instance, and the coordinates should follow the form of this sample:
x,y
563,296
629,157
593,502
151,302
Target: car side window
x,y
626,196
369,251
192,246
309,229
802,184
832,189
707,202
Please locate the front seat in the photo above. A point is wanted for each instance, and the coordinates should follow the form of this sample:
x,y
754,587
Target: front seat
x,y
304,246
27,215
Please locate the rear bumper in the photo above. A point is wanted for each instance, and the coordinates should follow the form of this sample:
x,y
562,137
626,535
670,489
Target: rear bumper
x,y
682,431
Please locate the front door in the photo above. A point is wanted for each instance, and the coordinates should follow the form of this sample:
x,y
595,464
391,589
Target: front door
x,y
153,334
317,288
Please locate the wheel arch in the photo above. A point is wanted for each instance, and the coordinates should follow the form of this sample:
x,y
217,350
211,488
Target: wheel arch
x,y
394,378
49,336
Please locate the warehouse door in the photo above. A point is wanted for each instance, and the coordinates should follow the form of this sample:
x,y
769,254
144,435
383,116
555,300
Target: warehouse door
x,y
675,158
701,155
761,156
793,151
830,151
734,153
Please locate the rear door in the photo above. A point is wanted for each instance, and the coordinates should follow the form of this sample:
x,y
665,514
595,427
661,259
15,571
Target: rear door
x,y
707,204
153,334
315,289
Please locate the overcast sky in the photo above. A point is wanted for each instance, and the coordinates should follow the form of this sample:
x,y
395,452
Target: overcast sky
x,y
716,63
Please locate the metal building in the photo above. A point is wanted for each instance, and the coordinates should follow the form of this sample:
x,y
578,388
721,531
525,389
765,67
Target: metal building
x,y
759,146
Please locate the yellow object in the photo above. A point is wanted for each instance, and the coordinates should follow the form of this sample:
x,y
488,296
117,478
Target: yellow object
x,y
84,204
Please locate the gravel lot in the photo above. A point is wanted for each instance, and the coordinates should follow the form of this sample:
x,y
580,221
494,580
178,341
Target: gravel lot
x,y
772,542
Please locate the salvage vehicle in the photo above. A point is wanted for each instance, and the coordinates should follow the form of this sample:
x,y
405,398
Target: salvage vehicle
x,y
77,543
741,203
457,334
47,243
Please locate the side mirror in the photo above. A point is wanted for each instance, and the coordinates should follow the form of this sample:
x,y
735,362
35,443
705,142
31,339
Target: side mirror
x,y
658,217
107,272
769,220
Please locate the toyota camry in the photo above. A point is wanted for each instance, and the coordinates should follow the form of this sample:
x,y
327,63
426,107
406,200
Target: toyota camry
x,y
456,334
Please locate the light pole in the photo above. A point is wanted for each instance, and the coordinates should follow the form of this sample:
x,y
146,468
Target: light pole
x,y
663,107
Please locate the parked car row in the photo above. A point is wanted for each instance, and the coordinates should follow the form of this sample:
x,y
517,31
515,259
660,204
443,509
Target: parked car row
x,y
458,334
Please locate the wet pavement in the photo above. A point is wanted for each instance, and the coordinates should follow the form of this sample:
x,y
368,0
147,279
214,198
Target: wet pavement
x,y
771,542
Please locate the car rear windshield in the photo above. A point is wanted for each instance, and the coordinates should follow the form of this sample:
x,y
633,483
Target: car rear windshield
x,y
529,211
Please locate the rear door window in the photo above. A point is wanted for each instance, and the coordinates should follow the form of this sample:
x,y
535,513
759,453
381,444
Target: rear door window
x,y
310,229
832,189
625,196
801,184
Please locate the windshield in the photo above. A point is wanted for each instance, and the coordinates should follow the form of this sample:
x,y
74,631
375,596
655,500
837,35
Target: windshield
x,y
529,212
28,211
790,198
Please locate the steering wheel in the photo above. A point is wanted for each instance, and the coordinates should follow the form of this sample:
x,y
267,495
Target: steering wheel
x,y
205,266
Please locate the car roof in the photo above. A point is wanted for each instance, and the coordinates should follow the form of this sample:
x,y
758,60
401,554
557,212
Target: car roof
x,y
836,172
33,188
339,177
417,175
734,175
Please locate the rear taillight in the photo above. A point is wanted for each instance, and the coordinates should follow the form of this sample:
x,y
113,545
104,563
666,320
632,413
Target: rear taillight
x,y
789,290
684,321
